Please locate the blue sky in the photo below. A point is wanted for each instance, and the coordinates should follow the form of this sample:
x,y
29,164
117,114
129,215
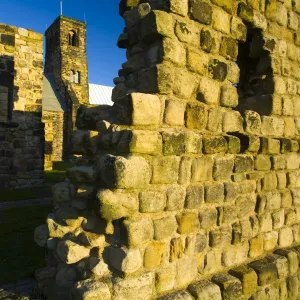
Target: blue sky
x,y
104,27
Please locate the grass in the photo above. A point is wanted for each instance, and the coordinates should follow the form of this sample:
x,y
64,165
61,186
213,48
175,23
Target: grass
x,y
19,255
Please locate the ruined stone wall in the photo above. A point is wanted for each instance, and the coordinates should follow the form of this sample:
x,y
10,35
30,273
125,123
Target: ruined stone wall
x,y
54,137
21,130
189,185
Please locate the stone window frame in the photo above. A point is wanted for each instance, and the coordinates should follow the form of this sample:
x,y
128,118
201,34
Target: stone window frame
x,y
75,76
73,38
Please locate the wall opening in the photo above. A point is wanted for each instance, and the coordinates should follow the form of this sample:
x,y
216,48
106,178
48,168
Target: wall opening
x,y
72,38
256,73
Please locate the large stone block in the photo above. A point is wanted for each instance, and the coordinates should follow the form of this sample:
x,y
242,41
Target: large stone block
x,y
173,143
223,168
214,193
117,204
164,227
120,172
145,142
154,254
175,198
186,271
146,109
152,201
165,278
174,113
155,25
185,84
139,232
209,91
90,289
205,289
70,252
201,11
196,116
165,170
139,288
125,260
248,278
202,169
188,223
231,287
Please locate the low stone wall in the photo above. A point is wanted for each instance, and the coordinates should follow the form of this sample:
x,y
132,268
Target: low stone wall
x,y
21,130
54,137
194,170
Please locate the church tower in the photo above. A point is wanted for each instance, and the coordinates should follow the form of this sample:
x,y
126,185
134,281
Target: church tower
x,y
66,58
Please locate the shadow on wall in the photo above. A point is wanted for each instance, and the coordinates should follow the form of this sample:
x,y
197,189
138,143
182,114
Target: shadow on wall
x,y
256,85
21,133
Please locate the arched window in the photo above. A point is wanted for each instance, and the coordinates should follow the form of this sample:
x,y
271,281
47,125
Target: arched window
x,y
72,38
77,77
72,76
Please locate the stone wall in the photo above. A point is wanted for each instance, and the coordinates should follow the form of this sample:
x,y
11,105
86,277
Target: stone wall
x,y
54,137
21,130
189,185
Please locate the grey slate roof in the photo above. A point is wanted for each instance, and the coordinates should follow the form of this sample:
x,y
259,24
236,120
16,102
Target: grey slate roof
x,y
52,101
100,94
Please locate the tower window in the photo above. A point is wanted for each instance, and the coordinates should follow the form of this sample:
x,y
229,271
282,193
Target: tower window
x,y
77,77
72,38
72,76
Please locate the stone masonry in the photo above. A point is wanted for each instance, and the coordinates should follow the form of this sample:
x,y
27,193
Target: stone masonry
x,y
188,187
21,130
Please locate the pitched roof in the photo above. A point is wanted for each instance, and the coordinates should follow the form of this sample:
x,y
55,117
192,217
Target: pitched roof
x,y
52,100
100,94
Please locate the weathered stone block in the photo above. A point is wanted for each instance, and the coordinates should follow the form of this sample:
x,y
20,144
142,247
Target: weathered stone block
x,y
205,290
232,122
281,263
146,142
270,146
238,29
185,84
185,170
253,122
91,289
164,227
218,70
139,232
173,143
209,41
193,142
214,144
243,163
187,223
214,193
186,272
155,25
165,169
269,182
174,113
196,116
146,109
70,252
125,260
221,237
256,247
223,167
116,171
201,11
229,96
209,91
248,278
285,237
138,288
266,271
152,201
194,197
221,20
165,278
229,48
197,61
153,255
208,218
230,286
202,169
262,162
175,198
117,204
181,295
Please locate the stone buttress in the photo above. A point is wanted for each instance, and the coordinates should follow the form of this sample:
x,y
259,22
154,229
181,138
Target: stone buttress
x,y
188,187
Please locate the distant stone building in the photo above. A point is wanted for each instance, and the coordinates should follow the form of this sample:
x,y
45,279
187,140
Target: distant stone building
x,y
21,129
66,86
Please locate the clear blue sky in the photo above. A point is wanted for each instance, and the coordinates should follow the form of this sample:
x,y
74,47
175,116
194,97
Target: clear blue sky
x,y
104,27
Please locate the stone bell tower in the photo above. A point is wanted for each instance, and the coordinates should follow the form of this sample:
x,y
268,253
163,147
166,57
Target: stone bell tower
x,y
66,58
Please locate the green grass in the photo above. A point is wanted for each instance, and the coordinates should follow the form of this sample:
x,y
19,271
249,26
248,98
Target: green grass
x,y
19,255
53,176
